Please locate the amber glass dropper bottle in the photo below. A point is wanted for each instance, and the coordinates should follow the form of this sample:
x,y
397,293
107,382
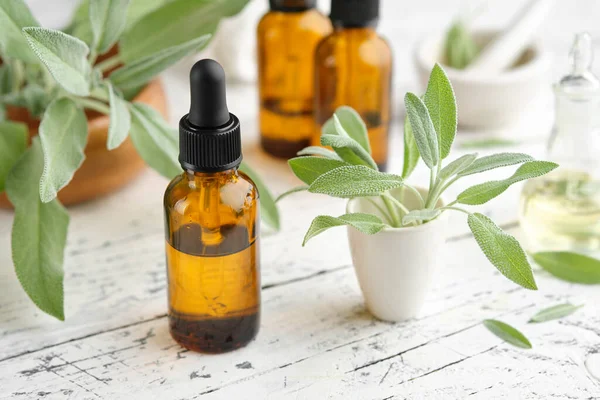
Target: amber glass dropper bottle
x,y
287,36
211,217
353,66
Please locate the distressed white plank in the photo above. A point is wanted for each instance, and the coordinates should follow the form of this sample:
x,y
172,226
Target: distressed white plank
x,y
315,334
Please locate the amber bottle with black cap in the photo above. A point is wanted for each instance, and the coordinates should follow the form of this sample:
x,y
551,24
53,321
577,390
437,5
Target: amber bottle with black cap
x,y
287,36
353,66
212,222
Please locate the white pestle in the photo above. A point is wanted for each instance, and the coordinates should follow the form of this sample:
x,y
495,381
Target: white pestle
x,y
504,51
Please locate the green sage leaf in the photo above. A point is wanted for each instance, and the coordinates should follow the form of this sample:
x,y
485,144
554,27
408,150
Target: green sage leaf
x,y
268,208
348,120
423,129
140,72
13,142
571,267
411,151
120,120
365,223
328,128
457,166
554,312
495,161
154,140
107,20
354,181
65,57
441,104
420,216
63,135
174,23
484,192
139,8
307,169
460,47
6,79
507,333
349,150
39,234
503,250
319,151
14,16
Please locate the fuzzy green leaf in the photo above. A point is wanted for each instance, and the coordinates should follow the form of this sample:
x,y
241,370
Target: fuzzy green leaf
x,y
503,250
571,267
554,312
328,128
411,151
13,142
14,16
307,169
138,73
495,161
65,57
63,135
174,23
487,143
458,165
423,129
107,19
507,333
349,150
348,120
354,181
441,104
319,151
420,216
484,192
154,140
120,120
39,234
268,208
460,48
365,223
6,79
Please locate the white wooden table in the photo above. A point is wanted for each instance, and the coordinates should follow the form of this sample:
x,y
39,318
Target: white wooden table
x,y
316,339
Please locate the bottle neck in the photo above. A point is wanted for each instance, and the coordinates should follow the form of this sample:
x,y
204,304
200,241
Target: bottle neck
x,y
292,6
365,29
193,175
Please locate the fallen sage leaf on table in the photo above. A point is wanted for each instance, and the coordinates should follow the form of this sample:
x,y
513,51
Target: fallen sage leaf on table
x,y
507,333
555,312
571,267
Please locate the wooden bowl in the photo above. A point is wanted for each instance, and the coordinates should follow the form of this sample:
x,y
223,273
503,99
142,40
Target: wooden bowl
x,y
102,171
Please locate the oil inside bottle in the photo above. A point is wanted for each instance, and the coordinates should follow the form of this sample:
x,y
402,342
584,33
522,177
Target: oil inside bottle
x,y
561,211
214,288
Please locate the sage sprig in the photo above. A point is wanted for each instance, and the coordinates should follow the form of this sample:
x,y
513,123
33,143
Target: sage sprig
x,y
429,131
57,75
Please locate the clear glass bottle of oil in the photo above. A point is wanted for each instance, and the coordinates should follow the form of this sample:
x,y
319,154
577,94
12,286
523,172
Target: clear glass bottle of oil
x,y
286,39
353,67
561,210
211,226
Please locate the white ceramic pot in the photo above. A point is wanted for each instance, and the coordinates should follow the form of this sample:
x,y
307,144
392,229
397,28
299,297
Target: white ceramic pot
x,y
395,266
490,102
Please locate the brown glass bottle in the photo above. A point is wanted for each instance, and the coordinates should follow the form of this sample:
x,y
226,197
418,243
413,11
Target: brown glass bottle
x,y
287,36
353,66
211,225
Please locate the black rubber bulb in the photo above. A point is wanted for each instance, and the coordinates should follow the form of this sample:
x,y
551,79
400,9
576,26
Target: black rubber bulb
x,y
208,107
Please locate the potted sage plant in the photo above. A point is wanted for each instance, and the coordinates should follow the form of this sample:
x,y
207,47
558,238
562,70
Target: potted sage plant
x,y
396,231
88,100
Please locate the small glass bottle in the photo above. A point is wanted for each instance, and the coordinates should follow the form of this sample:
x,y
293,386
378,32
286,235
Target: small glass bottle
x,y
353,66
287,36
561,210
211,223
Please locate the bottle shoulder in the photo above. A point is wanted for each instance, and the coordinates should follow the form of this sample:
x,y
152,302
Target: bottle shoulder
x,y
368,45
311,21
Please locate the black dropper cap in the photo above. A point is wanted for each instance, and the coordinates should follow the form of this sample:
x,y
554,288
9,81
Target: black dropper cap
x,y
209,136
292,5
354,13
